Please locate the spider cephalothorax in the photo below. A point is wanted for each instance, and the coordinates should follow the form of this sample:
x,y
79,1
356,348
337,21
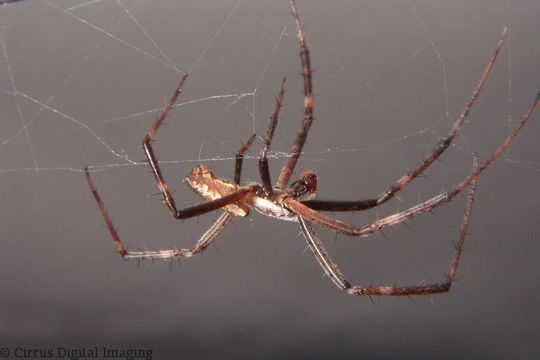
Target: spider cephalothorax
x,y
296,202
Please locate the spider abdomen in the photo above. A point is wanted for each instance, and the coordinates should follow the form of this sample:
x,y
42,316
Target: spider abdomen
x,y
210,187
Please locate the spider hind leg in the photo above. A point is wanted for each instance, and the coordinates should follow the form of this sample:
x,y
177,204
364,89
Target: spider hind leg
x,y
227,201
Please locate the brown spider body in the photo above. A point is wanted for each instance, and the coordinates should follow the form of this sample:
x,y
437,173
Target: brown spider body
x,y
296,202
211,187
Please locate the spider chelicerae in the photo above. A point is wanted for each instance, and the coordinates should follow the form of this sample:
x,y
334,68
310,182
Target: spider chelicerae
x,y
296,202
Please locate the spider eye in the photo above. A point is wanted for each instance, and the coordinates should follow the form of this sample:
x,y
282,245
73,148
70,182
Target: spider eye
x,y
307,185
299,188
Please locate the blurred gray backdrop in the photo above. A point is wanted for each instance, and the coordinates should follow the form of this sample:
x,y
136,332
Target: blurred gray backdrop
x,y
389,78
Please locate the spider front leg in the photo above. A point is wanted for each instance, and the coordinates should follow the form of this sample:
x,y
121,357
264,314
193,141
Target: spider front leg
x,y
438,150
301,136
298,145
334,273
340,227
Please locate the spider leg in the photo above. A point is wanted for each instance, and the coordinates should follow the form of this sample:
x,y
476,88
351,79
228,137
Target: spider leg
x,y
149,152
204,241
263,159
239,158
162,184
328,264
199,246
332,270
214,230
340,227
438,150
296,149
202,244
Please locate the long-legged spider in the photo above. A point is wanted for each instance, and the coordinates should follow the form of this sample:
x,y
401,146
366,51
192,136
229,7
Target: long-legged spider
x,y
296,202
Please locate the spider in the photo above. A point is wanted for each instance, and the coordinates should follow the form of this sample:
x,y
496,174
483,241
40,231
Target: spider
x,y
296,202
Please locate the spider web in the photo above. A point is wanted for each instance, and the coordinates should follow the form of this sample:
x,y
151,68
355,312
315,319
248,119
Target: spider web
x,y
82,81
83,92
125,36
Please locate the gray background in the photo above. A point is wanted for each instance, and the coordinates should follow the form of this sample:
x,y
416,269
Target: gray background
x,y
380,105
